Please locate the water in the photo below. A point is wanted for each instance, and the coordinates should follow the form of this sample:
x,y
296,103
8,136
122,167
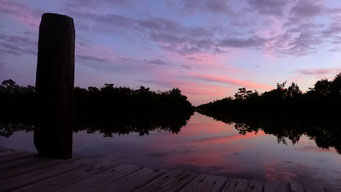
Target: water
x,y
205,145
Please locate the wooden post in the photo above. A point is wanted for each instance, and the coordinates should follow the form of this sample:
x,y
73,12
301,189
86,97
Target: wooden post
x,y
54,86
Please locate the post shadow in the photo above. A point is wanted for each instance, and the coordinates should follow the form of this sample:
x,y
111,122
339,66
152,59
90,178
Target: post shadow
x,y
54,86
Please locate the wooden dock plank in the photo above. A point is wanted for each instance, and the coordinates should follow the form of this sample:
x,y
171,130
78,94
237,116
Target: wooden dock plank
x,y
41,163
271,186
295,187
14,156
314,188
203,183
241,185
39,175
65,179
255,186
132,182
102,178
21,171
21,162
234,185
7,151
169,182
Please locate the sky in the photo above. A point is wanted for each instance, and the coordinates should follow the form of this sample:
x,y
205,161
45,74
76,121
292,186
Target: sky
x,y
208,48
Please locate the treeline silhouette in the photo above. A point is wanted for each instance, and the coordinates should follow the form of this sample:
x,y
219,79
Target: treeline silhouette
x,y
325,133
321,101
107,109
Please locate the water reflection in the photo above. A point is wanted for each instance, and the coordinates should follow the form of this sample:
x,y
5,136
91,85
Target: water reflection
x,y
209,146
8,129
118,124
325,133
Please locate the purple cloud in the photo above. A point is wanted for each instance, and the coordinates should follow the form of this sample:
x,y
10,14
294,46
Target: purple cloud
x,y
334,11
297,38
160,24
207,6
21,12
303,44
319,71
333,29
90,58
269,7
127,59
18,45
218,6
96,4
306,9
243,43
157,62
173,36
186,66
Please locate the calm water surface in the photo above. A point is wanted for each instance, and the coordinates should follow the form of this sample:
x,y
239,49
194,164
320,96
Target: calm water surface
x,y
208,146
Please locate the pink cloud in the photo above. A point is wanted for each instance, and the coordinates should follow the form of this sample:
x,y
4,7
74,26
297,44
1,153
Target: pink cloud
x,y
21,13
208,91
206,61
212,61
308,77
228,80
197,92
192,88
333,71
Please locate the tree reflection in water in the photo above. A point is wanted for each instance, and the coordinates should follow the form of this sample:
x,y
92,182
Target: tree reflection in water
x,y
326,133
109,109
116,125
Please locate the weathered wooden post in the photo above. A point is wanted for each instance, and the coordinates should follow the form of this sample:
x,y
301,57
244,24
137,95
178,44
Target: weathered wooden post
x,y
54,86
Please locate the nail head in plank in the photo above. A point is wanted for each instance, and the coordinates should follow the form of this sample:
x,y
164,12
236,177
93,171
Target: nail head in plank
x,y
255,186
204,183
236,185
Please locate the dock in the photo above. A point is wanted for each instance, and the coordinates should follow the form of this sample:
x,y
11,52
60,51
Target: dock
x,y
25,171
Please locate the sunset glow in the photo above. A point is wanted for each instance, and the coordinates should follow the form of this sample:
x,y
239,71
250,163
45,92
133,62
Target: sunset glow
x,y
208,49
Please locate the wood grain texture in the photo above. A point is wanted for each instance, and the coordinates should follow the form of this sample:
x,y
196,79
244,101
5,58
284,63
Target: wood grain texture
x,y
40,175
54,183
25,168
132,181
243,185
4,151
295,187
204,183
54,86
275,187
103,178
21,162
14,156
317,188
169,182
36,173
